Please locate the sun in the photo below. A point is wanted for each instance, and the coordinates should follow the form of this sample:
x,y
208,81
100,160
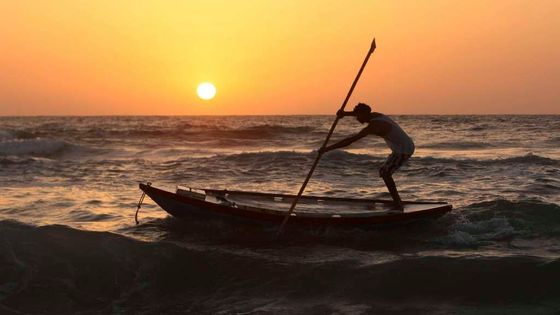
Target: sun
x,y
206,90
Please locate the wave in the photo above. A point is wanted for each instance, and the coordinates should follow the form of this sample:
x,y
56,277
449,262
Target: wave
x,y
345,156
527,217
34,147
283,160
16,160
554,140
43,148
275,129
458,145
250,132
104,272
479,128
488,222
22,143
204,131
15,134
278,165
6,135
529,158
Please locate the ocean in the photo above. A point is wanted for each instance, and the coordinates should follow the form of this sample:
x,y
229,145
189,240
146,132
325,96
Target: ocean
x,y
69,243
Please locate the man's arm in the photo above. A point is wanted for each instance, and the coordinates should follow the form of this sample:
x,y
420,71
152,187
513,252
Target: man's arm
x,y
346,142
341,114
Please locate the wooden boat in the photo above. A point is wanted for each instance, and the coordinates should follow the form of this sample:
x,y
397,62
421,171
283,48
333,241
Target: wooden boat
x,y
270,207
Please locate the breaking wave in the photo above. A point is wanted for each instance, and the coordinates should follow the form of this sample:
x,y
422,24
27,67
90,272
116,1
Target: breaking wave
x,y
34,147
24,144
486,223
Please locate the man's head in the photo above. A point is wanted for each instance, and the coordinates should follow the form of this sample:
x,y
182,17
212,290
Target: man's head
x,y
362,112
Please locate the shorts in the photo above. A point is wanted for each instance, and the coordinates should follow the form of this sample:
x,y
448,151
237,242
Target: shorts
x,y
393,163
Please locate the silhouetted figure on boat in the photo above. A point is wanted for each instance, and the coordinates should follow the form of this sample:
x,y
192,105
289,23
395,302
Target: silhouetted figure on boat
x,y
399,142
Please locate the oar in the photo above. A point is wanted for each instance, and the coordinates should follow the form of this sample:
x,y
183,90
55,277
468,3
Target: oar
x,y
294,203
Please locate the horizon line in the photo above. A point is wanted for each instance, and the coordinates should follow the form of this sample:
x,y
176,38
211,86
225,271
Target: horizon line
x,y
244,115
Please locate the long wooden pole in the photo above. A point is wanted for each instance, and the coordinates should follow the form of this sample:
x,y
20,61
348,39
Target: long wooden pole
x,y
296,199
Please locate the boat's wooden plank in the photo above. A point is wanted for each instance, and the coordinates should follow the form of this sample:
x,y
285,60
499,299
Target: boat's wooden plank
x,y
304,197
322,207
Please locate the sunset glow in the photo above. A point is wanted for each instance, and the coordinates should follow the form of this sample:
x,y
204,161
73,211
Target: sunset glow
x,y
297,57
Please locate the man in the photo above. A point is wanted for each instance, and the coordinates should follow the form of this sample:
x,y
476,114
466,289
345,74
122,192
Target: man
x,y
398,141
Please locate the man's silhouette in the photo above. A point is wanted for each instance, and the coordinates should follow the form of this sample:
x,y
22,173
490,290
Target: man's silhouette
x,y
399,142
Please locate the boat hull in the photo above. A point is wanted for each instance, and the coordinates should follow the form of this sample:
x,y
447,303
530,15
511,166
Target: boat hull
x,y
188,207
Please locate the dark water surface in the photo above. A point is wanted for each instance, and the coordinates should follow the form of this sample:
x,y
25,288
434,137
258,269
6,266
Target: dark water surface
x,y
68,242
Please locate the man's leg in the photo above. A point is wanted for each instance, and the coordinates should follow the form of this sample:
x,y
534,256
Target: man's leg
x,y
392,187
394,161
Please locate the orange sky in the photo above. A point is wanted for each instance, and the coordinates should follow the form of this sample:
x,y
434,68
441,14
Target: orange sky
x,y
278,57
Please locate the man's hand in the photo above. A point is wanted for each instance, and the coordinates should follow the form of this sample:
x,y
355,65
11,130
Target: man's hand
x,y
341,113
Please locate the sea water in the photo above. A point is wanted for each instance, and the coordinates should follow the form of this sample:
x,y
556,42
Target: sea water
x,y
69,188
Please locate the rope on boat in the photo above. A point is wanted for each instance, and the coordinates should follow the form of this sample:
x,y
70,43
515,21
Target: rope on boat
x,y
140,204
